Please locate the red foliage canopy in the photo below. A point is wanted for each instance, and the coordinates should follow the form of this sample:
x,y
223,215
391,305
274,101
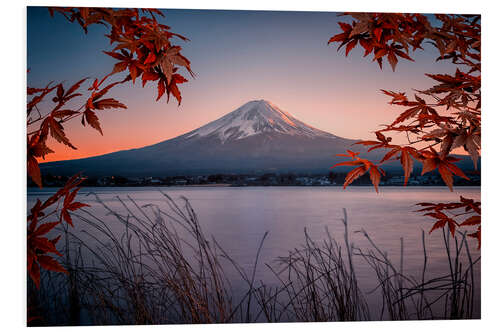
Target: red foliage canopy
x,y
446,115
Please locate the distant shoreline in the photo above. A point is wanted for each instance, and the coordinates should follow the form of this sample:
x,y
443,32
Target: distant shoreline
x,y
234,185
204,185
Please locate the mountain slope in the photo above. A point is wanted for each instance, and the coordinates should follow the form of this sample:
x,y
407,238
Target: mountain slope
x,y
258,137
256,117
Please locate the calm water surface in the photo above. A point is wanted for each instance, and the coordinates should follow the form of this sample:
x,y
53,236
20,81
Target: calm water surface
x,y
239,216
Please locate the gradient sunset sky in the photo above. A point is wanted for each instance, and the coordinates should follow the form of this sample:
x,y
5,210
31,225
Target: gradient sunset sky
x,y
237,56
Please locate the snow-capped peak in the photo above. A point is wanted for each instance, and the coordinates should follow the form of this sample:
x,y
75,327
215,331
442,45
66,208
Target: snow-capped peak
x,y
253,118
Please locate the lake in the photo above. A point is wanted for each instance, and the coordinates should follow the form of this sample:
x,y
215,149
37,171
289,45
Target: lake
x,y
238,217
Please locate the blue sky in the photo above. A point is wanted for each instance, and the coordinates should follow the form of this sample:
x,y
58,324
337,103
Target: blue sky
x,y
237,56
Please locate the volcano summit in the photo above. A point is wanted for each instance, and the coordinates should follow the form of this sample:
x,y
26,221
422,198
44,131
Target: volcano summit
x,y
254,118
257,137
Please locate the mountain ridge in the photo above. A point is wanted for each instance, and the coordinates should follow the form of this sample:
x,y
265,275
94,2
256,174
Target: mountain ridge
x,y
257,137
255,117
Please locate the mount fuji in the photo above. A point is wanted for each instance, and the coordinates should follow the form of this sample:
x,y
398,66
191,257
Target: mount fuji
x,y
255,118
258,137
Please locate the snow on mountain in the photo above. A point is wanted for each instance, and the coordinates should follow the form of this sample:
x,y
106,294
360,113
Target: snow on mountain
x,y
256,138
255,117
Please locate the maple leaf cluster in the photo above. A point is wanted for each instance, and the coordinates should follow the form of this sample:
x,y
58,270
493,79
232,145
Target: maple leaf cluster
x,y
144,49
142,45
42,125
363,166
437,120
446,214
39,246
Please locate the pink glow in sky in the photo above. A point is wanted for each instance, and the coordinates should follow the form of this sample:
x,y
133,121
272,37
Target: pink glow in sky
x,y
237,56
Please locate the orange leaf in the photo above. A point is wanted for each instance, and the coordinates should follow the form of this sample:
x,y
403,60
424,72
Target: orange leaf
x,y
350,154
34,273
63,113
407,163
44,228
108,103
51,264
354,174
57,131
367,46
161,89
397,98
76,205
390,154
453,168
375,177
392,60
34,171
347,163
149,76
150,58
75,87
439,224
67,217
429,164
350,46
92,119
446,175
378,33
119,67
175,91
473,220
43,244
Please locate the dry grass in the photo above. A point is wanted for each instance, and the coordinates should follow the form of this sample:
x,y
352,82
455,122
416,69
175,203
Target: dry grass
x,y
154,265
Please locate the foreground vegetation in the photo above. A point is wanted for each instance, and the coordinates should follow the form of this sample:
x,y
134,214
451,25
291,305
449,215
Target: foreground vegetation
x,y
118,276
154,265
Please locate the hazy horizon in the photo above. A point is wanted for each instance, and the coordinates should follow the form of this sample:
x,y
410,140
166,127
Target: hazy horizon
x,y
237,56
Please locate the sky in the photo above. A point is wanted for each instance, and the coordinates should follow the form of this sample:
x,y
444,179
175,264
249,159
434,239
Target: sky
x,y
238,56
